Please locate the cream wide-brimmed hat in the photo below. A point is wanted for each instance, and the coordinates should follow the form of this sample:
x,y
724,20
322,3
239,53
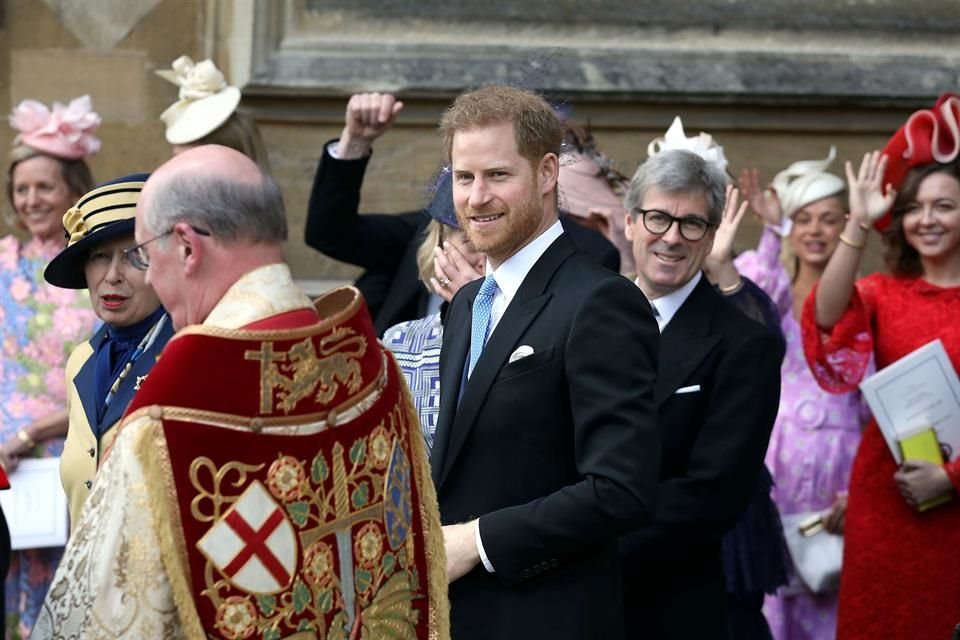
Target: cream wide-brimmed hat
x,y
806,181
206,100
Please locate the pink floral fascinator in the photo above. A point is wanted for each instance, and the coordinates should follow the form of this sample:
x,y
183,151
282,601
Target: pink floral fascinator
x,y
66,131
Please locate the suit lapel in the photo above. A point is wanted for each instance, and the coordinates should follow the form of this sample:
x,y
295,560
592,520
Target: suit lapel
x,y
85,380
687,340
530,299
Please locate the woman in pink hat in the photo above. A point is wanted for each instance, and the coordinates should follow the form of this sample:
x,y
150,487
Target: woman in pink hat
x,y
41,324
900,563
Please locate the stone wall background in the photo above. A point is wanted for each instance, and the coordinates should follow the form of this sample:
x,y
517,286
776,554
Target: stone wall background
x,y
773,82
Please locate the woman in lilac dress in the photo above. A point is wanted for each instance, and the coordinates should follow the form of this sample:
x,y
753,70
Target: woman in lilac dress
x,y
816,433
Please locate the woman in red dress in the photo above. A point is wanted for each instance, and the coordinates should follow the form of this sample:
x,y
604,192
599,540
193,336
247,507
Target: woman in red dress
x,y
901,572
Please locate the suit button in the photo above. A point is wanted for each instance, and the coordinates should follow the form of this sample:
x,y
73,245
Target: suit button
x,y
92,452
89,483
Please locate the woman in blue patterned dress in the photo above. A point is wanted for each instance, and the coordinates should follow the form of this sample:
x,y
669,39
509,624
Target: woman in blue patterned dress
x,y
446,262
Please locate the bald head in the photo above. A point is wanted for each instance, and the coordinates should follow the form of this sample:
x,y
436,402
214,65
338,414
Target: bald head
x,y
214,162
212,216
218,189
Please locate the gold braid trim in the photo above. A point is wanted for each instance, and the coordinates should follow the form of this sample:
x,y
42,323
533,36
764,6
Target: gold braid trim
x,y
369,394
439,610
151,451
335,308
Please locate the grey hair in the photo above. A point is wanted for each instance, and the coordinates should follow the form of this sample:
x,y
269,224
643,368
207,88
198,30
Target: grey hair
x,y
232,211
678,171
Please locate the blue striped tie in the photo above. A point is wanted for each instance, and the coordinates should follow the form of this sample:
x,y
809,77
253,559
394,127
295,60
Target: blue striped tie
x,y
480,324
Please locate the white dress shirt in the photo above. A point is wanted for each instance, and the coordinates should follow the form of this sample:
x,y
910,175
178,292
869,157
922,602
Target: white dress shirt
x,y
511,273
332,150
509,276
665,307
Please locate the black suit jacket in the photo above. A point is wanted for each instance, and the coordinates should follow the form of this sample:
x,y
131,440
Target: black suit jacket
x,y
715,434
556,453
386,245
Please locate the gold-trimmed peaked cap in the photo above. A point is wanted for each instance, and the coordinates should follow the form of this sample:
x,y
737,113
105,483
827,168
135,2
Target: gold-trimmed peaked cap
x,y
103,214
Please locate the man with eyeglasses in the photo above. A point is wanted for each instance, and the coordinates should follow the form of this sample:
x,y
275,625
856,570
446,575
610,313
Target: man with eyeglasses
x,y
717,395
269,478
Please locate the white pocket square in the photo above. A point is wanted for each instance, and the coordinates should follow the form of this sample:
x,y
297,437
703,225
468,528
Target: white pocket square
x,y
691,389
521,352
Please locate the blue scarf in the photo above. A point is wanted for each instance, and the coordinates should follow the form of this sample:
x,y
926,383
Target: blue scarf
x,y
112,355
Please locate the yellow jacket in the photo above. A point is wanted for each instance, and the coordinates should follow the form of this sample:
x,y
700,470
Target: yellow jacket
x,y
82,450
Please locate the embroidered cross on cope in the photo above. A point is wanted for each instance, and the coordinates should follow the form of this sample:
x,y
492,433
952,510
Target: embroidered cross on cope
x,y
253,543
256,545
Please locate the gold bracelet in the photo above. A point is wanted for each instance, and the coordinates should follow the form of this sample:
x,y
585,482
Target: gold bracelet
x,y
732,289
25,438
866,227
850,243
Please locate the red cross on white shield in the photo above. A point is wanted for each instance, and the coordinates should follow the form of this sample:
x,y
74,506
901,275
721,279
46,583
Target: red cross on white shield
x,y
253,543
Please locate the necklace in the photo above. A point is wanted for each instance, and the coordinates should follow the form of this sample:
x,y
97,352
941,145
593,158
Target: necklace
x,y
144,345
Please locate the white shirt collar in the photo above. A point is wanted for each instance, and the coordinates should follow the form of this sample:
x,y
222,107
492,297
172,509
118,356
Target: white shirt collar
x,y
667,306
511,273
264,292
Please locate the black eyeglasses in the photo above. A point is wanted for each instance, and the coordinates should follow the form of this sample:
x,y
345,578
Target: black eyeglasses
x,y
658,222
137,257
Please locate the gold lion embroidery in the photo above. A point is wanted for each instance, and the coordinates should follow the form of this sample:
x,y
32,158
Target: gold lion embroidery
x,y
304,371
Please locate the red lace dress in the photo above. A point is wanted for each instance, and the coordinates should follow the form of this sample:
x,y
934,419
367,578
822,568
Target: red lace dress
x,y
901,568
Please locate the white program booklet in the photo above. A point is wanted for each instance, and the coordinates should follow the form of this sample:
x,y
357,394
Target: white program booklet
x,y
35,506
917,391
